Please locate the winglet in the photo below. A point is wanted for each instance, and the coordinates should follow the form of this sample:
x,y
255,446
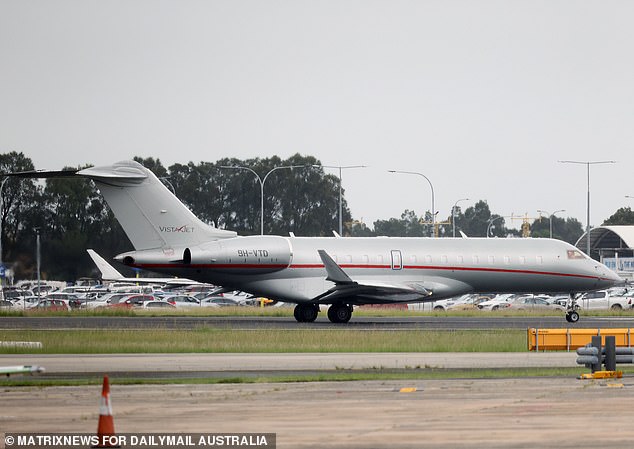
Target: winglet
x,y
335,273
108,272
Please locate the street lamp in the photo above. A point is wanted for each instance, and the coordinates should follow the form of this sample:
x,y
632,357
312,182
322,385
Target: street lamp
x,y
550,217
262,181
433,210
6,178
491,220
340,194
588,164
453,214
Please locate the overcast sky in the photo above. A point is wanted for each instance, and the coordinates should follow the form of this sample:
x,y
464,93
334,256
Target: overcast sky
x,y
483,97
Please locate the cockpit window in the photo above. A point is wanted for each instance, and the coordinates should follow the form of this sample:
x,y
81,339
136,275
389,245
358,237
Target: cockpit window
x,y
575,254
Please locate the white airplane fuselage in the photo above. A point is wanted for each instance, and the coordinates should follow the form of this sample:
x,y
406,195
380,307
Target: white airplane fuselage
x,y
290,269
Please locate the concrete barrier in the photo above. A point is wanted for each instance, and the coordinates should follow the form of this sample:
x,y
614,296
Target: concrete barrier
x,y
571,339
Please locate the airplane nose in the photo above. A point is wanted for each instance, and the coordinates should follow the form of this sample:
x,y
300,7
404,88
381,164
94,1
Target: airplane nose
x,y
609,278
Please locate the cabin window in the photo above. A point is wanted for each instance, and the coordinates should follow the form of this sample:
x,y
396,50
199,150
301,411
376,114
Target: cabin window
x,y
491,260
476,260
347,259
522,260
379,259
460,260
507,260
412,259
365,259
444,260
428,259
539,260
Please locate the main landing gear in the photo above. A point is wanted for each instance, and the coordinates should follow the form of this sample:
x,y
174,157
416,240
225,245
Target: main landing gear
x,y
572,314
337,313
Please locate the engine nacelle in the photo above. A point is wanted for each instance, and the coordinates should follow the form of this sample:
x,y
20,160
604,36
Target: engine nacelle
x,y
241,255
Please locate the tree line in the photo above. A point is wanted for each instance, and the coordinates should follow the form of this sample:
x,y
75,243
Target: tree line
x,y
70,215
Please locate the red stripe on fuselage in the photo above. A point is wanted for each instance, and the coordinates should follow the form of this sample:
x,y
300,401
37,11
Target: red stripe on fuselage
x,y
354,266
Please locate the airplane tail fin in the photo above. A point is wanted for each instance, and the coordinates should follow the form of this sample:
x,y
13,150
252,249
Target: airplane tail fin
x,y
108,272
151,216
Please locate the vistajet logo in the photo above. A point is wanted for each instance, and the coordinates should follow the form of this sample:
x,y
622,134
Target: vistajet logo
x,y
184,229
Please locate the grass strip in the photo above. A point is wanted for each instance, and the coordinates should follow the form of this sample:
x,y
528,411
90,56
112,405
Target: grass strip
x,y
214,340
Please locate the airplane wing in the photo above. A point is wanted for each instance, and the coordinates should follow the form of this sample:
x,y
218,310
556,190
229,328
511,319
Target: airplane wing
x,y
346,289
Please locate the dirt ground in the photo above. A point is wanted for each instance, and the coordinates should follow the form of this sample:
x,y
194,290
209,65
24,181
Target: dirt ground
x,y
515,413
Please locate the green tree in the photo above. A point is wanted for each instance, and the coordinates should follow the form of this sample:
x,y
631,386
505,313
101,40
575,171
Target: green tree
x,y
477,219
623,216
20,212
409,225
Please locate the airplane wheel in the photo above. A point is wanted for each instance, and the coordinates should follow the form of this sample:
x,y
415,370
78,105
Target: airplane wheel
x,y
572,317
340,313
306,313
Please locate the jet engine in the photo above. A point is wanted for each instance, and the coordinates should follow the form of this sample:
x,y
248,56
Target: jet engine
x,y
241,255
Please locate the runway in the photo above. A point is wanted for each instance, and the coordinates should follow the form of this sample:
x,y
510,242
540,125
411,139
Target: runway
x,y
288,323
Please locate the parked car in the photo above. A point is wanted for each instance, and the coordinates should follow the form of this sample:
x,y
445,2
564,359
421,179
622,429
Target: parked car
x,y
53,304
533,303
6,304
604,300
156,304
497,302
220,301
182,300
106,300
132,301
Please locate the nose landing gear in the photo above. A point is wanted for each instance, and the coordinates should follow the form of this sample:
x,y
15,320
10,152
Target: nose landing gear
x,y
572,314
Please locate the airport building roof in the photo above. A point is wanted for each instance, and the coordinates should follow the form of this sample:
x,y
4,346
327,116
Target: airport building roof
x,y
606,241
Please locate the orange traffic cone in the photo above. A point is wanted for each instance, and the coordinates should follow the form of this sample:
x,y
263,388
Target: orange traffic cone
x,y
105,428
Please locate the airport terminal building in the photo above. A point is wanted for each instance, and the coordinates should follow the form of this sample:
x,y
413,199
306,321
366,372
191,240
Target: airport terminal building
x,y
612,245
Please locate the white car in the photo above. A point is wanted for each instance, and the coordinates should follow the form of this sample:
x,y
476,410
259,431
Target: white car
x,y
604,300
497,302
182,300
157,304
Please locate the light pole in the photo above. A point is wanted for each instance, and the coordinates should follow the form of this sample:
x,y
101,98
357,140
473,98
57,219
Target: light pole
x,y
491,220
433,209
588,164
453,214
340,194
38,258
550,217
262,181
6,178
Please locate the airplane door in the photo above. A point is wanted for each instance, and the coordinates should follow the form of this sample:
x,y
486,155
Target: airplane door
x,y
397,260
